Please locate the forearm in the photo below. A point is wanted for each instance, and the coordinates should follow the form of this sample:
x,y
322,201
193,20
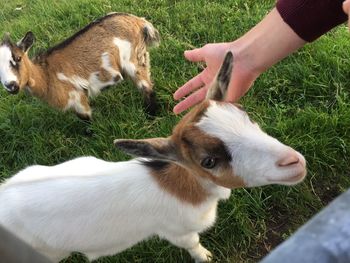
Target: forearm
x,y
264,45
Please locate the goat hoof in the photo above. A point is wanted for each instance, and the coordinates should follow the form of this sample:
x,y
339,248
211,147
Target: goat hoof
x,y
151,104
84,117
89,132
201,254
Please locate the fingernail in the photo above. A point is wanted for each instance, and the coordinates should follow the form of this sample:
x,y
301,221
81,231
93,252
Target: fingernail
x,y
176,110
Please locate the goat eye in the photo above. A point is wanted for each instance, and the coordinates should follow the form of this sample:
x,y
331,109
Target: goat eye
x,y
208,162
18,59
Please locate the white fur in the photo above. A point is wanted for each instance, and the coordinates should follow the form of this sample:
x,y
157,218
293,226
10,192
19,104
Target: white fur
x,y
124,48
98,208
6,73
93,85
78,82
74,102
96,85
106,64
254,153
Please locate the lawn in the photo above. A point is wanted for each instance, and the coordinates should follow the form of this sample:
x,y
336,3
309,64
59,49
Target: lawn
x,y
303,101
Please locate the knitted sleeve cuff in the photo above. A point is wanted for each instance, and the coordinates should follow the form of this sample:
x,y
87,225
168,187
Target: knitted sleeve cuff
x,y
310,19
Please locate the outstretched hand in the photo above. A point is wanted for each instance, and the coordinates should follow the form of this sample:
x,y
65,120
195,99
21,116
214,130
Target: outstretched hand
x,y
213,54
256,51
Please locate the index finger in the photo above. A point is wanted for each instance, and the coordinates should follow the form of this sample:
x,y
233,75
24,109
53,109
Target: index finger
x,y
191,100
189,86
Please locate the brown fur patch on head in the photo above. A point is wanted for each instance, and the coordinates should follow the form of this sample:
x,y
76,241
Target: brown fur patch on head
x,y
228,179
191,117
194,145
184,177
185,181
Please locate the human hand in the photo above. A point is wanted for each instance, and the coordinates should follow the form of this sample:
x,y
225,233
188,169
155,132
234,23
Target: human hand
x,y
346,8
256,51
213,54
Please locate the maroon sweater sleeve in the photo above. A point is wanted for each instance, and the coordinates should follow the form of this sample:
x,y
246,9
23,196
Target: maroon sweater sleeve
x,y
311,18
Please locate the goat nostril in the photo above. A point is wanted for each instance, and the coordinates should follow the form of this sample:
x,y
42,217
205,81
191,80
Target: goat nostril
x,y
9,85
290,160
12,87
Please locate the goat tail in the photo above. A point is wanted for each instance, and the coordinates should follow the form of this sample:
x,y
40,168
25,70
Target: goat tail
x,y
151,35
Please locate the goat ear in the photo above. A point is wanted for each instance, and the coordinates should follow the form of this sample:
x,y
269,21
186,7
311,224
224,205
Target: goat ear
x,y
218,89
26,42
156,148
6,38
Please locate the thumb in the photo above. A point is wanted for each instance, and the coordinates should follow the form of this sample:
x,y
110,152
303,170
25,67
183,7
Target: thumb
x,y
346,6
194,55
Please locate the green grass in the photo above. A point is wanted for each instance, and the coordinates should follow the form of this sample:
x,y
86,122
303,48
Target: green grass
x,y
303,101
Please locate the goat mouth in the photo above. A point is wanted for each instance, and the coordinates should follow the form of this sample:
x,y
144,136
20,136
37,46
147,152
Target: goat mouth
x,y
292,179
13,92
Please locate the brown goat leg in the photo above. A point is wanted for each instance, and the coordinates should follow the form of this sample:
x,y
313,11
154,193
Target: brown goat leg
x,y
83,110
145,85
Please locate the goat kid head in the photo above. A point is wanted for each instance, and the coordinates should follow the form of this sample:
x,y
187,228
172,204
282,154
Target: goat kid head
x,y
14,62
217,140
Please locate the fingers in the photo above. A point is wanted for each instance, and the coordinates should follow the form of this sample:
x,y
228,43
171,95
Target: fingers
x,y
191,100
189,86
194,55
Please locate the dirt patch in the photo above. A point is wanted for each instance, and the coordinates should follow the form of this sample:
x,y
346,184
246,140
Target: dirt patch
x,y
277,227
281,224
327,193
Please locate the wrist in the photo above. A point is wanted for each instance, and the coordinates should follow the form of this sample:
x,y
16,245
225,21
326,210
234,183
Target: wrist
x,y
246,60
264,45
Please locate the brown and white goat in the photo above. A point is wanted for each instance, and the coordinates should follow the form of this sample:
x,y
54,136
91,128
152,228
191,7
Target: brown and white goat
x,y
98,56
101,208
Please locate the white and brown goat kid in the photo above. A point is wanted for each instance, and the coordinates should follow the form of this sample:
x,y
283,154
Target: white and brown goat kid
x,y
98,56
101,208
